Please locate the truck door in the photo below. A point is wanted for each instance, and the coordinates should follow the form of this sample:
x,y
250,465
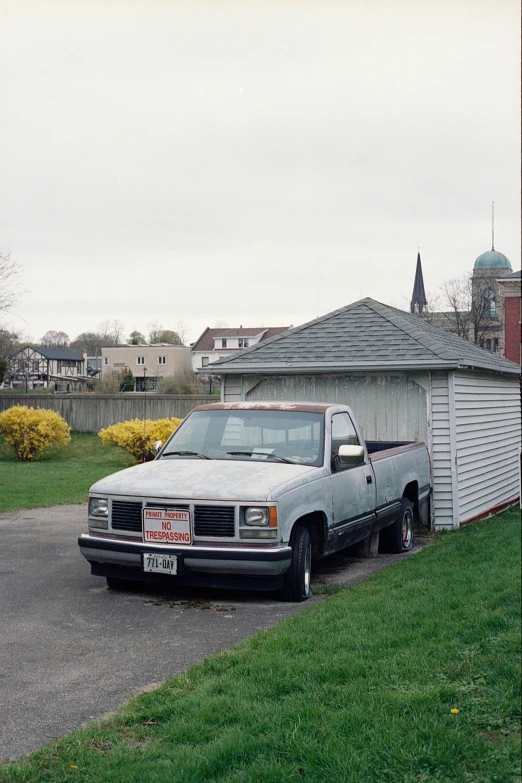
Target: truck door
x,y
353,488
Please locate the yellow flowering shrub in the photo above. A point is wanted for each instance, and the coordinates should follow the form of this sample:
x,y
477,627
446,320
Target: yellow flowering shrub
x,y
30,430
137,436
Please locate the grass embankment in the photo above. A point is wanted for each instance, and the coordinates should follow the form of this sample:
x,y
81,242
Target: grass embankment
x,y
359,688
61,475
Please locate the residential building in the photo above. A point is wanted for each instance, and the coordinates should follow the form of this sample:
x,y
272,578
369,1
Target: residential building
x,y
147,363
41,367
219,342
509,289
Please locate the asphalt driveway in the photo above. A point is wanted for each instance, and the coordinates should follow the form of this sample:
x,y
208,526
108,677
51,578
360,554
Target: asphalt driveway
x,y
70,649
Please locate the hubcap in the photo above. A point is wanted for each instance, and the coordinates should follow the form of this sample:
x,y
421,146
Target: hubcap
x,y
407,529
308,570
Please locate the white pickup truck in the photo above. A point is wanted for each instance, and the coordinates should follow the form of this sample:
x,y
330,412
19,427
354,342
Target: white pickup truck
x,y
249,494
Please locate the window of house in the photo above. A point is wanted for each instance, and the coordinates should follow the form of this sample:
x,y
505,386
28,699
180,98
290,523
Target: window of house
x,y
490,305
140,360
224,342
106,360
243,342
162,360
204,361
36,365
487,345
495,345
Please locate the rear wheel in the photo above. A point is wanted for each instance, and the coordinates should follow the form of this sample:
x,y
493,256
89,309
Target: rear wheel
x,y
399,537
296,584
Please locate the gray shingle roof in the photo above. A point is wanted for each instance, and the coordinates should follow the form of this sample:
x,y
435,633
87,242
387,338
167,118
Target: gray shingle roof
x,y
362,336
58,353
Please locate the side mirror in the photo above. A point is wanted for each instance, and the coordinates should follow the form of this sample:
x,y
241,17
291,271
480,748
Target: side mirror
x,y
156,448
351,455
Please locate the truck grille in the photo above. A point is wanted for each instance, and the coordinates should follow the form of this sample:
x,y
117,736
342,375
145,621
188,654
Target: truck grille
x,y
126,516
208,520
214,521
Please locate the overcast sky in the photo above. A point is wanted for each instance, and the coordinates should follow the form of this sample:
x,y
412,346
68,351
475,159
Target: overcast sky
x,y
254,163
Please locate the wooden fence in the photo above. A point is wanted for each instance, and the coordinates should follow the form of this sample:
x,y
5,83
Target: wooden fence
x,y
92,412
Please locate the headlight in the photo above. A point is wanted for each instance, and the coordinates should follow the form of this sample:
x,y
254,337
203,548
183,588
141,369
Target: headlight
x,y
256,516
98,507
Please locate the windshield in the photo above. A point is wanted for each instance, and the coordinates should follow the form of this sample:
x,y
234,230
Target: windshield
x,y
274,435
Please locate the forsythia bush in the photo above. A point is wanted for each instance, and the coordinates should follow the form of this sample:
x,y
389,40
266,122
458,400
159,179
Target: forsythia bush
x,y
30,430
138,436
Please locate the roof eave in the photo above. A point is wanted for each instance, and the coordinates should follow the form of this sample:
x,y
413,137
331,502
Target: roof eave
x,y
290,368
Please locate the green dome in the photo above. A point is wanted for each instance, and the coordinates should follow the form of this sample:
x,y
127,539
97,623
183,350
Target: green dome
x,y
492,259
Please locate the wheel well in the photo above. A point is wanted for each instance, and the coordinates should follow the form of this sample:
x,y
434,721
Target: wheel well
x,y
411,491
316,524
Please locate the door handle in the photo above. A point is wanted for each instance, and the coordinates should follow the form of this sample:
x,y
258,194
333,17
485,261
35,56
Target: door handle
x,y
369,479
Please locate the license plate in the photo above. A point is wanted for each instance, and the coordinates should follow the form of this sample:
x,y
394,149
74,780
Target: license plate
x,y
160,564
166,525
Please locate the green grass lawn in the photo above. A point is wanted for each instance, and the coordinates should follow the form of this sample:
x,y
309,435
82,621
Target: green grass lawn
x,y
61,475
358,688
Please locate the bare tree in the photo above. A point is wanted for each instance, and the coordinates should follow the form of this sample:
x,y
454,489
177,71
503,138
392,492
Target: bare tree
x,y
53,339
469,306
90,342
9,270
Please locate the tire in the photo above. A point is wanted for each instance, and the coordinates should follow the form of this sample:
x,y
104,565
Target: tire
x,y
399,536
296,584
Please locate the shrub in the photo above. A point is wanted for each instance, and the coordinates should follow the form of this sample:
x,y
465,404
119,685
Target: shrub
x,y
138,436
181,383
30,430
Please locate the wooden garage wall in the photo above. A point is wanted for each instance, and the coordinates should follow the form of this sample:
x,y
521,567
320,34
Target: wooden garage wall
x,y
387,407
487,427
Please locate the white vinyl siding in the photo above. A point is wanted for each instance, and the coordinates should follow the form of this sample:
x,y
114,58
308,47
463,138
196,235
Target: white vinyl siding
x,y
441,452
487,417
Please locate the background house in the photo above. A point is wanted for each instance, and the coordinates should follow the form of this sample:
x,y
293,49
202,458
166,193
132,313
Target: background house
x,y
42,367
146,362
219,342
509,290
405,379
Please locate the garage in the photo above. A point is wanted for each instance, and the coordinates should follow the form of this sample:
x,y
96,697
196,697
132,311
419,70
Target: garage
x,y
405,380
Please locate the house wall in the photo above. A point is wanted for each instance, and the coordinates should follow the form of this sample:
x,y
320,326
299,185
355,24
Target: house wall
x,y
212,356
387,407
487,441
513,314
470,422
442,454
177,359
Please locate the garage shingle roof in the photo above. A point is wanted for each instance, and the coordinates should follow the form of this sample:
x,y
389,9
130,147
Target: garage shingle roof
x,y
361,336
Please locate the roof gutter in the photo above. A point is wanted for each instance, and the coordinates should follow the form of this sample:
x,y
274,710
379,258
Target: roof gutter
x,y
291,368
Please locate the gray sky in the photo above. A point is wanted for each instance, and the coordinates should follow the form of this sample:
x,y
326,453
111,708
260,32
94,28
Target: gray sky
x,y
255,163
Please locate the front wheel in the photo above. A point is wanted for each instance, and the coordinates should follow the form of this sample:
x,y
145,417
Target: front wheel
x,y
296,584
399,537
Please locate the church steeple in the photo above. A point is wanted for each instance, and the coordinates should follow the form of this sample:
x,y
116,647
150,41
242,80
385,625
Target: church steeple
x,y
418,300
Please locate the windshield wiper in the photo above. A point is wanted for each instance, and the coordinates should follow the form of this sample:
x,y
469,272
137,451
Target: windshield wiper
x,y
263,454
185,454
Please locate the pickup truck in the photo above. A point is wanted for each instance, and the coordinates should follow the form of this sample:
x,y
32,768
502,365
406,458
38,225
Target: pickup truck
x,y
248,494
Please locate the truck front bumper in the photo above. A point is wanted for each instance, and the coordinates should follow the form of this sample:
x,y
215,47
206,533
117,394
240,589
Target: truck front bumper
x,y
197,565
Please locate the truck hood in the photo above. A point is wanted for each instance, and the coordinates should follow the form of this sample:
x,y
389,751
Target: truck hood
x,y
203,479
